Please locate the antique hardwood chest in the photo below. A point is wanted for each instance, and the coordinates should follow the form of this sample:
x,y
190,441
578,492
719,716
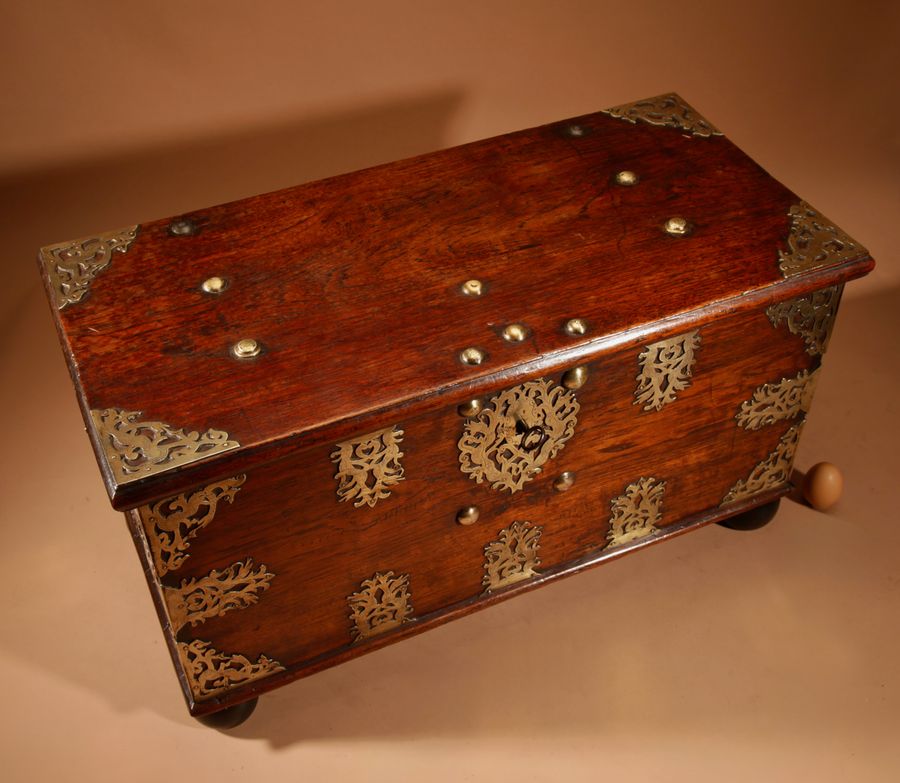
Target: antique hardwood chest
x,y
342,413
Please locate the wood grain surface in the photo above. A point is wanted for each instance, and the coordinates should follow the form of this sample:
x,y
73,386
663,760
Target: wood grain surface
x,y
287,516
351,285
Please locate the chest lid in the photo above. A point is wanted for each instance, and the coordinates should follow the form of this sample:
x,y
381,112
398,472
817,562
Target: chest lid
x,y
227,337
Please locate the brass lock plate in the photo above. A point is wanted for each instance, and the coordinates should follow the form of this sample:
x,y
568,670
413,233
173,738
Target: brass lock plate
x,y
517,433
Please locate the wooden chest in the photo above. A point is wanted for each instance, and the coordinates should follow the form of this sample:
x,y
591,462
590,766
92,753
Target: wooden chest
x,y
342,413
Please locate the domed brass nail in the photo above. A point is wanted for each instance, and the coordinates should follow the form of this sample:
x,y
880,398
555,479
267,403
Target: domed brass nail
x,y
468,515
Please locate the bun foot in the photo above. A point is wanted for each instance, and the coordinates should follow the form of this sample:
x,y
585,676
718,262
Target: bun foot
x,y
823,486
230,717
753,519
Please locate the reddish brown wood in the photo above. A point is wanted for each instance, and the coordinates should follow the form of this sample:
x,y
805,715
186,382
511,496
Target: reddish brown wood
x,y
287,517
352,286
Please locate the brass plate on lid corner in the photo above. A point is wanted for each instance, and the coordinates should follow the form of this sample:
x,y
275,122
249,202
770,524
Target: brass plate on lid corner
x,y
72,266
814,241
135,448
669,110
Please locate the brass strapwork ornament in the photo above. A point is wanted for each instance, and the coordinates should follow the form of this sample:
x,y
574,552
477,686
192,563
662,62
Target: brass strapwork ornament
x,y
772,402
666,368
772,473
382,602
518,431
197,600
72,266
368,466
135,448
670,110
814,241
513,557
811,317
170,524
635,514
211,673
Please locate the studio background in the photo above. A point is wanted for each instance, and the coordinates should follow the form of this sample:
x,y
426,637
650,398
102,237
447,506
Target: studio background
x,y
760,656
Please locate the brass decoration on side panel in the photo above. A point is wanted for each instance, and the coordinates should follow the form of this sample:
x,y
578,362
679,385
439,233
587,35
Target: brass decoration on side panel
x,y
212,673
772,402
135,448
368,466
666,369
635,514
383,602
513,557
669,110
71,266
811,317
773,472
196,600
171,524
520,429
814,241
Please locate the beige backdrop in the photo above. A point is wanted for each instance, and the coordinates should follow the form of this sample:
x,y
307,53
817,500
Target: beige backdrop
x,y
720,656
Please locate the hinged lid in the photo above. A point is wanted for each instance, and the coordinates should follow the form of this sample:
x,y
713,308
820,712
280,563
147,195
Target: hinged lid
x,y
227,337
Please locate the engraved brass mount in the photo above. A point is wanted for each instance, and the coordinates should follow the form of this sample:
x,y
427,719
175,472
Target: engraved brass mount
x,y
509,442
811,317
72,266
170,524
368,466
635,514
814,242
666,369
513,557
134,447
383,602
669,110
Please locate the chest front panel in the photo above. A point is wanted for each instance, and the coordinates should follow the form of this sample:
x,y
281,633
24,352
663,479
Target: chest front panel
x,y
272,574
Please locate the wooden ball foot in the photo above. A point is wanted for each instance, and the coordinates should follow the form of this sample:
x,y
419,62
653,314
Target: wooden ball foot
x,y
823,486
753,519
230,717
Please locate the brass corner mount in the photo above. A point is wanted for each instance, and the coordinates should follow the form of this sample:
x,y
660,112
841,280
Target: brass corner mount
x,y
72,266
669,110
135,448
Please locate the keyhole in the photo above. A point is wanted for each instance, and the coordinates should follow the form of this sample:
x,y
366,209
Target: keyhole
x,y
532,438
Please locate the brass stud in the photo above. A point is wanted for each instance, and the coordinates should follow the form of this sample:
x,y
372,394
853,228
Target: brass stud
x,y
564,481
182,228
575,378
472,288
627,179
214,285
471,356
246,348
576,131
468,515
515,333
576,327
470,408
677,226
